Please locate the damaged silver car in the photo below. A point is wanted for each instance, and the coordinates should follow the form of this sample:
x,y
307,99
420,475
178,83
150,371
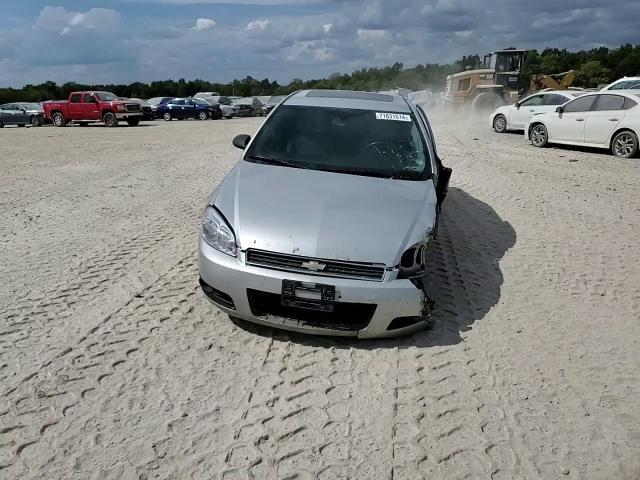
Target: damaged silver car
x,y
323,225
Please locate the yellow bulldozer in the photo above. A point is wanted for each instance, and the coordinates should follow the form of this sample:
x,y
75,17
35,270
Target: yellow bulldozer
x,y
500,81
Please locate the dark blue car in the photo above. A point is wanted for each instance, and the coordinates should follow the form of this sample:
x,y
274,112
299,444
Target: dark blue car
x,y
182,108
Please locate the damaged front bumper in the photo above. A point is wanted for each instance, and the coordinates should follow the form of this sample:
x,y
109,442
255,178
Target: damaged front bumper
x,y
363,309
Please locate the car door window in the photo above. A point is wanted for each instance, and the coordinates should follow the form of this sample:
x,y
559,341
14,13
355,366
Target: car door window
x,y
534,101
582,104
76,98
89,99
554,99
609,102
628,103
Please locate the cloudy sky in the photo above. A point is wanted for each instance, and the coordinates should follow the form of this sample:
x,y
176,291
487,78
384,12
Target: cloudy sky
x,y
103,41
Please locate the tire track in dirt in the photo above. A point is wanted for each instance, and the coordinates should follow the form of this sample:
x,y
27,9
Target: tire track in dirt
x,y
48,397
96,288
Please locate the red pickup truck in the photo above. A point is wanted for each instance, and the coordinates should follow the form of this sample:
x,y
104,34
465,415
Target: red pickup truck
x,y
87,107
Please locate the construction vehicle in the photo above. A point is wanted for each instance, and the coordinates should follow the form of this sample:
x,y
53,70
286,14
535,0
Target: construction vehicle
x,y
557,81
499,82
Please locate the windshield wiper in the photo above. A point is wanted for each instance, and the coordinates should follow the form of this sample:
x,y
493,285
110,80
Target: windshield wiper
x,y
273,161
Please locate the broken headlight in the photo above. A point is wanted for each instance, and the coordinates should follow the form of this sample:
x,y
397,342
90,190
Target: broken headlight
x,y
414,259
217,233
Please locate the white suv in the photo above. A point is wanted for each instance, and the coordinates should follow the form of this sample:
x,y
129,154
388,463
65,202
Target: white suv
x,y
601,119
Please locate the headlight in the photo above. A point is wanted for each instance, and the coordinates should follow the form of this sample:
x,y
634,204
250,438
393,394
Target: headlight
x,y
217,233
121,108
414,259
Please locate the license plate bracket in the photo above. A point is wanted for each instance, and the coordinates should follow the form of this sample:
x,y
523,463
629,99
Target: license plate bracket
x,y
311,296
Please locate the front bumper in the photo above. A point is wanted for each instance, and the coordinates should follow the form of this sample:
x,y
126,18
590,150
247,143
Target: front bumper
x,y
128,115
397,300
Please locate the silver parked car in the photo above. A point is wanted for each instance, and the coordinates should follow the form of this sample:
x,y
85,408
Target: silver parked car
x,y
324,224
21,114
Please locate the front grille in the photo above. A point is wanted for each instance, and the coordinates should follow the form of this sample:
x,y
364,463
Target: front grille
x,y
133,107
345,316
332,268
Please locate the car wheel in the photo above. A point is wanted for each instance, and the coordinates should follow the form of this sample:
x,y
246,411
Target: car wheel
x,y
167,117
625,144
58,120
35,121
110,120
538,135
203,116
133,122
500,123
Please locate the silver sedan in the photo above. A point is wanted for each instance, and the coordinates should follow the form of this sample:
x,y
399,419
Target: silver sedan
x,y
21,114
324,224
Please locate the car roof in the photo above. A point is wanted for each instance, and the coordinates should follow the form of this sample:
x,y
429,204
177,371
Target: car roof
x,y
557,92
631,93
623,79
349,99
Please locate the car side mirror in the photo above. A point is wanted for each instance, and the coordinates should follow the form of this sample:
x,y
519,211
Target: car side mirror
x,y
559,109
241,141
518,105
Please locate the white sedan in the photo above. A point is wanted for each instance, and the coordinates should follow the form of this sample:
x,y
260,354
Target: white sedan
x,y
516,116
602,120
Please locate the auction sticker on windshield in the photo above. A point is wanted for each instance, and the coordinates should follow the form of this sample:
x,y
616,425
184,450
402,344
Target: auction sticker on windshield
x,y
399,117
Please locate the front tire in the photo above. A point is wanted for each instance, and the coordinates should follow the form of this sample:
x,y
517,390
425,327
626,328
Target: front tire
x,y
203,116
58,120
538,135
500,123
625,144
167,117
35,121
133,122
110,120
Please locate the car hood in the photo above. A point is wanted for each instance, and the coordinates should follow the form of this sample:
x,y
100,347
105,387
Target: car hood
x,y
325,215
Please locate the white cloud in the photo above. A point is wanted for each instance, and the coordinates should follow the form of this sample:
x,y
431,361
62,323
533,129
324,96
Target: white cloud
x,y
65,22
258,25
204,24
101,45
371,35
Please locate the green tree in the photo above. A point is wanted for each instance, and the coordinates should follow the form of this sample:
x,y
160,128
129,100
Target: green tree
x,y
592,74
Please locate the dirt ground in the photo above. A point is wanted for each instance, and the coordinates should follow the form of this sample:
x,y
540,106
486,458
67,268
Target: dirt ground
x,y
114,366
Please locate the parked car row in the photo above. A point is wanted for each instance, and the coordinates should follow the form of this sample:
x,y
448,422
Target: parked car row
x,y
96,106
609,119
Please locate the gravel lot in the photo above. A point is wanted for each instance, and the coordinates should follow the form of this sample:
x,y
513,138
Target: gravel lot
x,y
113,366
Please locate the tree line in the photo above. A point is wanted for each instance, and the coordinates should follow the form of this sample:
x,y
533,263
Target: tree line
x,y
594,67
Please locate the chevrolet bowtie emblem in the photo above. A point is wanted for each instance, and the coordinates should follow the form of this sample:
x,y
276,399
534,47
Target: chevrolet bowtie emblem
x,y
314,266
